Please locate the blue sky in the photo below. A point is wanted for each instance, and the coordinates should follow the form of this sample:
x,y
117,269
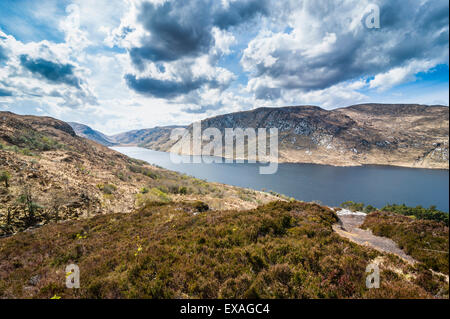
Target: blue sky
x,y
129,64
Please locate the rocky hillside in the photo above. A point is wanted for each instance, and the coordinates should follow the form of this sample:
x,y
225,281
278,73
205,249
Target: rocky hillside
x,y
384,134
49,174
157,138
414,135
87,132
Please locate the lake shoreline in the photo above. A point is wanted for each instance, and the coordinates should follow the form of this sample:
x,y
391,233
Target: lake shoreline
x,y
376,185
284,161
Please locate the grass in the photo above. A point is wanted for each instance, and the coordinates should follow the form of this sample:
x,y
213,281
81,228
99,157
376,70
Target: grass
x,y
176,250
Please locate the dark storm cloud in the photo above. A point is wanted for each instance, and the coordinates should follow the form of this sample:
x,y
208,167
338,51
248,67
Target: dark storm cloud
x,y
410,30
51,71
203,108
4,92
180,29
162,88
177,29
239,12
183,28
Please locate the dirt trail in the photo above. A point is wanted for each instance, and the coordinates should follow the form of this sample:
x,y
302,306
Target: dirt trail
x,y
348,227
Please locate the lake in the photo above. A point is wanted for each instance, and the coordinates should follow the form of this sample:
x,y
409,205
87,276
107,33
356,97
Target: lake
x,y
329,185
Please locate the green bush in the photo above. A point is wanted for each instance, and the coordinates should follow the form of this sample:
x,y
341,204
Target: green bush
x,y
5,177
352,206
419,212
425,240
107,188
33,140
143,171
201,206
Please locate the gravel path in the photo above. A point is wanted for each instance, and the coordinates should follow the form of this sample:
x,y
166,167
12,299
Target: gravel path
x,y
348,227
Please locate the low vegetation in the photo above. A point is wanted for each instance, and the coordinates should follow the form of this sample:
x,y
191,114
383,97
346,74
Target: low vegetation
x,y
108,189
425,240
27,141
5,176
418,212
182,250
358,207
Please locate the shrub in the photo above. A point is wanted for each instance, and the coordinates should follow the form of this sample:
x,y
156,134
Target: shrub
x,y
352,206
107,188
123,177
5,178
214,255
425,240
369,208
201,206
154,195
144,171
419,212
175,189
33,140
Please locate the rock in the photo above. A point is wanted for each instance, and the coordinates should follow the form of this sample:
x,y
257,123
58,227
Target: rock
x,y
34,280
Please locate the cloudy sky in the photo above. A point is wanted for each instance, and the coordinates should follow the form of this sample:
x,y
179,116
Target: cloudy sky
x,y
118,65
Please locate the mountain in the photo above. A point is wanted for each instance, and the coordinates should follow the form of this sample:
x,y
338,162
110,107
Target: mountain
x,y
384,134
155,138
49,174
87,132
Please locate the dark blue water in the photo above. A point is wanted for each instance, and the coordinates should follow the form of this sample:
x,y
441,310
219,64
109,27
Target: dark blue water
x,y
374,185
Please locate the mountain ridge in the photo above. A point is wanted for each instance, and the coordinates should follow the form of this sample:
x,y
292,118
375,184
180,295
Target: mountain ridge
x,y
410,135
87,132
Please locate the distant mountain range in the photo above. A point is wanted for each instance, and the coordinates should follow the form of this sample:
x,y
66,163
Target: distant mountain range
x,y
386,134
89,133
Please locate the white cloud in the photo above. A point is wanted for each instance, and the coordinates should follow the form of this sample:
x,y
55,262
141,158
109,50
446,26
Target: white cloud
x,y
399,75
307,52
328,45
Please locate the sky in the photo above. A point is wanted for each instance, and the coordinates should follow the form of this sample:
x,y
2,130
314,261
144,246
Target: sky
x,y
118,65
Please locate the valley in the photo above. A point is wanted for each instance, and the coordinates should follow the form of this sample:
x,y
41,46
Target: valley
x,y
141,231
